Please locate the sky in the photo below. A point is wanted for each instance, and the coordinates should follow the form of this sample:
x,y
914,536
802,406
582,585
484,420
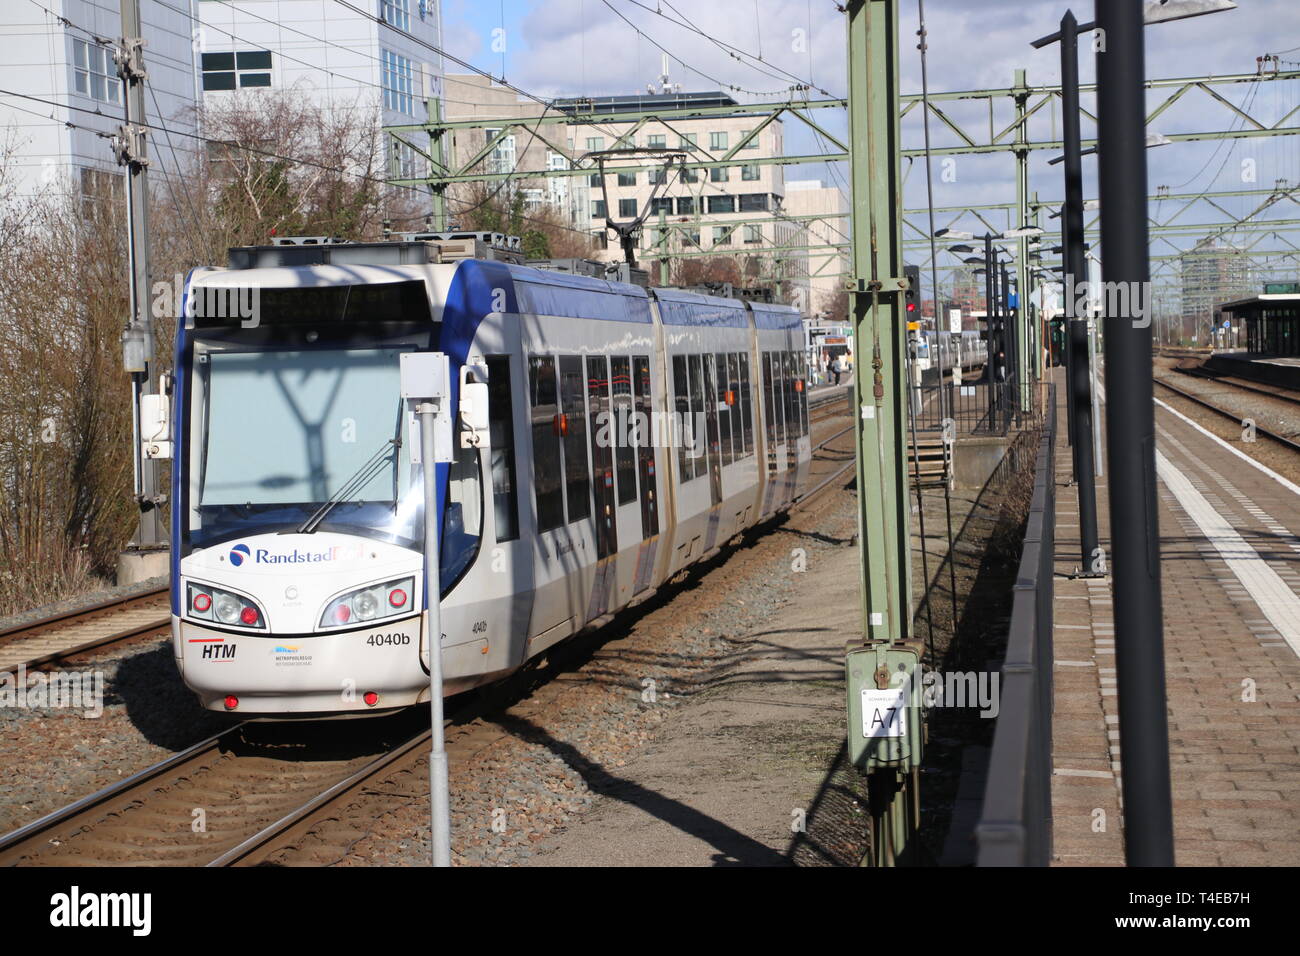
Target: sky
x,y
601,47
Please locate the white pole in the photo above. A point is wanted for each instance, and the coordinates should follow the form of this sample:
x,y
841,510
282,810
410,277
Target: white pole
x,y
439,795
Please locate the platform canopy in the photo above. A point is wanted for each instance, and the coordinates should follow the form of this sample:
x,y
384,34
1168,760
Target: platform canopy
x,y
1272,322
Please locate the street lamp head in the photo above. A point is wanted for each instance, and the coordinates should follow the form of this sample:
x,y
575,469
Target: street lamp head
x,y
1154,11
1163,11
972,260
952,234
961,247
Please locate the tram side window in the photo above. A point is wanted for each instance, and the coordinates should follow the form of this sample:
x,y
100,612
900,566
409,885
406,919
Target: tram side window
x,y
722,383
502,435
699,437
602,454
778,397
646,449
577,477
746,405
733,386
803,392
682,405
769,406
791,399
620,427
544,412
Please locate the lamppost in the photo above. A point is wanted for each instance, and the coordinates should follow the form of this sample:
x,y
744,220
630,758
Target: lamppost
x,y
996,374
1130,411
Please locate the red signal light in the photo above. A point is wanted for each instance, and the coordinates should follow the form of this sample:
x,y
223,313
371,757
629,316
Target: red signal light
x,y
248,615
371,698
911,307
397,597
343,614
202,603
232,702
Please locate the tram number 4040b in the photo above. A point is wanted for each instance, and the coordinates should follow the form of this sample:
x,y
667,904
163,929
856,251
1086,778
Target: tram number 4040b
x,y
380,640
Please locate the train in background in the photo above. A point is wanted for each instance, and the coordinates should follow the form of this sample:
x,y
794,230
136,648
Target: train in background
x,y
629,434
966,350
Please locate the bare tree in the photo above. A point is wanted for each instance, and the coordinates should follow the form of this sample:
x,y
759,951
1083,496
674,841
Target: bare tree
x,y
544,231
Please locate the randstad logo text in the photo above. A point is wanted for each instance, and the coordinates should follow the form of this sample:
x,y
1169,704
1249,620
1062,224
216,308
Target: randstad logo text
x,y
241,553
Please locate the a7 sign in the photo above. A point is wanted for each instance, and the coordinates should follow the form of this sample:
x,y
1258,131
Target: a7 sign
x,y
884,712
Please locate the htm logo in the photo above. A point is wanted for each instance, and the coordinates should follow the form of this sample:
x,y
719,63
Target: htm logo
x,y
238,553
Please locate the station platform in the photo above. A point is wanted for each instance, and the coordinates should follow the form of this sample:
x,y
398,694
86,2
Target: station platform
x,y
1230,567
1283,370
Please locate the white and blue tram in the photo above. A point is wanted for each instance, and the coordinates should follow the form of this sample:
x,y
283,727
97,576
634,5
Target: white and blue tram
x,y
967,350
631,433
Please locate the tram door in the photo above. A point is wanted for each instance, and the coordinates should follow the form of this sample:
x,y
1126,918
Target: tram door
x,y
602,456
710,386
633,495
774,416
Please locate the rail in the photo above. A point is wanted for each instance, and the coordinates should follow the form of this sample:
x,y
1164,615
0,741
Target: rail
x,y
1015,827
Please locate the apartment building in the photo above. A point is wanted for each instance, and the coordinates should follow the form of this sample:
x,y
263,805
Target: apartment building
x,y
737,210
825,259
60,53
377,56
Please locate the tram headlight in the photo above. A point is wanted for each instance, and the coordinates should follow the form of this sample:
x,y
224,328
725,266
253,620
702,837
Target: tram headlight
x,y
206,603
366,604
374,602
227,607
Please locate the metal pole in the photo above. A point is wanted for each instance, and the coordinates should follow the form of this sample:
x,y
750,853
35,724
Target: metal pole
x,y
990,329
1076,327
437,148
940,336
1130,437
1022,333
439,796
1096,398
1012,340
132,152
877,305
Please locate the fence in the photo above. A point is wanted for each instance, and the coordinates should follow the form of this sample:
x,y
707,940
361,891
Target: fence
x,y
1015,827
981,409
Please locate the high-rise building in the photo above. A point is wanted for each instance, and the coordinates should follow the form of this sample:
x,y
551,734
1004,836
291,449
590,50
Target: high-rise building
x,y
1213,272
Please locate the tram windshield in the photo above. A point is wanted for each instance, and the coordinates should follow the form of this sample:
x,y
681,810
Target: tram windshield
x,y
278,434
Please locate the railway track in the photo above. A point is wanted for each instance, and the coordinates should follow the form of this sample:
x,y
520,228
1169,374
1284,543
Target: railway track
x,y
69,633
1240,385
221,802
828,406
1259,429
256,792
